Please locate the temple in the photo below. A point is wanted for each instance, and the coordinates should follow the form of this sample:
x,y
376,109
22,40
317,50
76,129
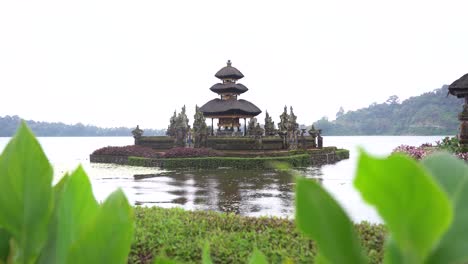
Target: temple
x,y
228,109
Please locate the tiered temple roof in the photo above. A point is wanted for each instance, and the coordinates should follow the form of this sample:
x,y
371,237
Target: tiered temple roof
x,y
459,88
228,106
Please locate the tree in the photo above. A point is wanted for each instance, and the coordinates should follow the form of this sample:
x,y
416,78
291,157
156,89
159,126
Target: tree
x,y
340,112
392,100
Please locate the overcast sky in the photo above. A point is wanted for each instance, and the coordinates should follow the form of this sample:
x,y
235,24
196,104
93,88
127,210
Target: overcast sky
x,y
123,63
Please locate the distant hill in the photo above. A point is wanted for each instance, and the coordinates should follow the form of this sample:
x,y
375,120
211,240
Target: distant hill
x,y
431,113
9,124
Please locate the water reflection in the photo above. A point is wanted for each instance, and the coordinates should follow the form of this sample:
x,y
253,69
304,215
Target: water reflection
x,y
225,190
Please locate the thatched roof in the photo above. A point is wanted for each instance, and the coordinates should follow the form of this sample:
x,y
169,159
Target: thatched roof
x,y
459,88
236,88
229,72
232,106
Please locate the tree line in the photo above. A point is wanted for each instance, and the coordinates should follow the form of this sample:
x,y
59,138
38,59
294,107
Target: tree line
x,y
9,125
432,113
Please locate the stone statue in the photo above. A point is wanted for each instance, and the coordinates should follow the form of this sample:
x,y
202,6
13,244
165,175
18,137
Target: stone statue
x,y
258,135
251,127
200,129
137,133
313,133
171,131
303,139
181,128
319,139
293,125
284,117
292,130
269,125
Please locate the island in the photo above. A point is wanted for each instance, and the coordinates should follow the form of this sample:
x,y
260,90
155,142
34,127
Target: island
x,y
227,144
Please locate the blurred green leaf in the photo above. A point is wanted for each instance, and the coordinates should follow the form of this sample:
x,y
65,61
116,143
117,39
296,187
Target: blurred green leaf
x,y
75,207
4,245
452,175
392,252
320,259
415,209
320,217
206,258
108,237
26,196
164,260
258,258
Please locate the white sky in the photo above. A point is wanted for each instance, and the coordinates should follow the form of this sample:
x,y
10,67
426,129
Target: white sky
x,y
123,63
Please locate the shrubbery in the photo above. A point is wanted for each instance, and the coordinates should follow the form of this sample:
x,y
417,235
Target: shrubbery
x,y
131,150
232,162
180,235
447,144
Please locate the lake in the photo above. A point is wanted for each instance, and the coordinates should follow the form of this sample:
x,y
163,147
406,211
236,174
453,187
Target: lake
x,y
252,193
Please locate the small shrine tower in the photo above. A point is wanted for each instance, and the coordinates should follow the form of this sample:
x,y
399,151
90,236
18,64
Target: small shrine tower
x,y
459,88
228,109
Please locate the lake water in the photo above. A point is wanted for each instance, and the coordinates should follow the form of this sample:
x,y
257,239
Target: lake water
x,y
252,193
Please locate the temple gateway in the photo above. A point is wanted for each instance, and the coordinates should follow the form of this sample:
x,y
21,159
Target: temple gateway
x,y
228,109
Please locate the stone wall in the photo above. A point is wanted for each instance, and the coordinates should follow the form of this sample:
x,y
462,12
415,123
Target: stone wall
x,y
158,142
225,143
328,155
122,160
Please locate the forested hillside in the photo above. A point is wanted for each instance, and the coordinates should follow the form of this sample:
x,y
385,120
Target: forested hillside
x,y
431,113
9,124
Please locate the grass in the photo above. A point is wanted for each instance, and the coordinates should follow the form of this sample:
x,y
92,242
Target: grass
x,y
180,235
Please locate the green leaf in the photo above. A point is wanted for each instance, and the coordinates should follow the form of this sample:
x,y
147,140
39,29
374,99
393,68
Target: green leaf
x,y
320,259
452,175
163,260
320,217
26,197
206,258
392,252
75,207
108,237
415,209
4,245
258,258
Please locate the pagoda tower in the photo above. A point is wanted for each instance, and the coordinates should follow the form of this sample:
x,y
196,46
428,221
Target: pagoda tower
x,y
228,109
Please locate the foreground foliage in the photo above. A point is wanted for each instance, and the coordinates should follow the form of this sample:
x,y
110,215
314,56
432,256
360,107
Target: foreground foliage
x,y
421,204
181,235
41,223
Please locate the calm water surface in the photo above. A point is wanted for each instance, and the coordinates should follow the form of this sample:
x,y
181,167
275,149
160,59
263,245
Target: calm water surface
x,y
253,193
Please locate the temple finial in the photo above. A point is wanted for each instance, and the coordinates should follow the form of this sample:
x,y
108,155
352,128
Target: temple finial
x,y
229,63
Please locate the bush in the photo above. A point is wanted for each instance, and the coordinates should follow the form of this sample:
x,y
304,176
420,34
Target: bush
x,y
180,235
42,223
342,154
449,144
414,152
131,150
190,152
236,163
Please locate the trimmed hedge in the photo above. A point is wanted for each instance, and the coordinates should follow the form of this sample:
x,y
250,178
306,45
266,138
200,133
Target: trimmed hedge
x,y
141,162
342,154
180,235
216,162
182,152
